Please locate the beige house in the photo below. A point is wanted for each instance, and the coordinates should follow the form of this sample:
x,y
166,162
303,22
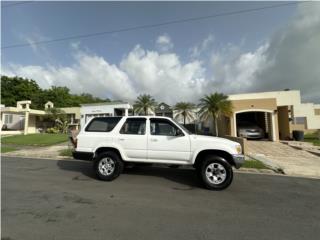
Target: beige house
x,y
278,113
19,119
24,120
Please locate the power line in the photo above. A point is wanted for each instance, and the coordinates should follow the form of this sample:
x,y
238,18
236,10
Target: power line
x,y
149,26
16,3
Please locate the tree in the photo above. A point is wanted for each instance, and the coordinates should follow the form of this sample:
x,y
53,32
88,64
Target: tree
x,y
15,89
59,117
185,110
215,105
144,103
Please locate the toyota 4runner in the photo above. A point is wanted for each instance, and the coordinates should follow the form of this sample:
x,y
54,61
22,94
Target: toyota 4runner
x,y
113,142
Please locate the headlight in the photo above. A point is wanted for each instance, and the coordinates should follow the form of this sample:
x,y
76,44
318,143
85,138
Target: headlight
x,y
239,149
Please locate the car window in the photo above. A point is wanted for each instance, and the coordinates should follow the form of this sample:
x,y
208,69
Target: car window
x,y
102,124
135,126
162,127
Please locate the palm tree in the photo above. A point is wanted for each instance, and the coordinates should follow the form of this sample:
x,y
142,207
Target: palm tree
x,y
144,102
185,110
215,105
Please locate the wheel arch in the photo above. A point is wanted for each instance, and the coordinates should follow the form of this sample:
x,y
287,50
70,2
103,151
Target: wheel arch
x,y
220,153
108,149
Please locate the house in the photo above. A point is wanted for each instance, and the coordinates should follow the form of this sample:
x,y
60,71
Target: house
x,y
23,119
20,119
279,113
164,110
116,108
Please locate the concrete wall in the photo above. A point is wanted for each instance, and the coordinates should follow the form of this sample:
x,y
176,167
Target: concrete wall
x,y
307,110
283,98
283,122
72,110
32,124
17,121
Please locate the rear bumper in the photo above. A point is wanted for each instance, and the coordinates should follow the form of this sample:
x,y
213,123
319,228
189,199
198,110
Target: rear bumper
x,y
238,160
82,155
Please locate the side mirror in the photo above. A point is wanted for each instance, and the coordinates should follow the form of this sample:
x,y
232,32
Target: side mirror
x,y
179,133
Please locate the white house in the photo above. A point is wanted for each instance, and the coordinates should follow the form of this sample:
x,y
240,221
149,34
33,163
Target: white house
x,y
88,111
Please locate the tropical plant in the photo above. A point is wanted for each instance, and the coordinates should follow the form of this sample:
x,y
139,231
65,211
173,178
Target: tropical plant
x,y
215,105
144,103
59,117
185,110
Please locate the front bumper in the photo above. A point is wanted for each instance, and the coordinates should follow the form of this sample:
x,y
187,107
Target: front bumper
x,y
238,160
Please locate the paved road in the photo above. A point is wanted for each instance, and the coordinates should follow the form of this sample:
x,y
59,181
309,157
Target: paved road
x,y
48,199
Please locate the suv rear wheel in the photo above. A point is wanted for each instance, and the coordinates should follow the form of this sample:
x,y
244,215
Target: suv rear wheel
x,y
216,173
108,166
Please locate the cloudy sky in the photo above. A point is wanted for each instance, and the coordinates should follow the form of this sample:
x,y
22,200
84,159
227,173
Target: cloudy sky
x,y
266,50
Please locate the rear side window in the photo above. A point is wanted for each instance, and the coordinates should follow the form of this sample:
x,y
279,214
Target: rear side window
x,y
102,124
136,126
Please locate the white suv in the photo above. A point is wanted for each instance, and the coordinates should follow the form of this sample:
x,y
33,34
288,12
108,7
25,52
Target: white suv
x,y
112,142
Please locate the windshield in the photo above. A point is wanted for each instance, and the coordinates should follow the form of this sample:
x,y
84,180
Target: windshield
x,y
180,125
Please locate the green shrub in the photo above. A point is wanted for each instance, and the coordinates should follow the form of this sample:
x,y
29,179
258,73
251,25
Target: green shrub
x,y
53,130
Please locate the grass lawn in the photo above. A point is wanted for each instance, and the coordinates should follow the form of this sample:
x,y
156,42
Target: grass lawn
x,y
38,139
66,152
254,164
7,149
312,138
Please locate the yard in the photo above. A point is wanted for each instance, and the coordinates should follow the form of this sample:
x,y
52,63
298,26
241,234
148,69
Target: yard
x,y
313,138
5,149
39,139
252,163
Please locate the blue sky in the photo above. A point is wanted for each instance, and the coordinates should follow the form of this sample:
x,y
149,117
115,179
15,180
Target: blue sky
x,y
203,52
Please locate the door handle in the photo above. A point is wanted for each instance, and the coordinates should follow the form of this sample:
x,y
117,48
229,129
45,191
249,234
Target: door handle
x,y
121,139
154,140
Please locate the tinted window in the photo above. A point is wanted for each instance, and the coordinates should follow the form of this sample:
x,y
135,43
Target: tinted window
x,y
162,127
102,124
134,126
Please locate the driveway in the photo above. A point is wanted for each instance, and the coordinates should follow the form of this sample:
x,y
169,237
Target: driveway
x,y
293,161
49,199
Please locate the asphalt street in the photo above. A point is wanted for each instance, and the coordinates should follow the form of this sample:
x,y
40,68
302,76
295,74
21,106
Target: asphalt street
x,y
49,199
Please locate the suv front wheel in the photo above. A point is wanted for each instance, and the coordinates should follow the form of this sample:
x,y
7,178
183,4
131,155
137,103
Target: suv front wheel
x,y
216,173
108,166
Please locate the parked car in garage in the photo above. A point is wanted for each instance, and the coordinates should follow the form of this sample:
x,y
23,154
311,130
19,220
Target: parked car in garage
x,y
249,130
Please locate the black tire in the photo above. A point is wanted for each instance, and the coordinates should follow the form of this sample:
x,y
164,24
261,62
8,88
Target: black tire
x,y
113,160
222,173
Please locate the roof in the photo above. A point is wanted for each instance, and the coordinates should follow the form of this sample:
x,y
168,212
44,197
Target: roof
x,y
104,103
20,111
163,108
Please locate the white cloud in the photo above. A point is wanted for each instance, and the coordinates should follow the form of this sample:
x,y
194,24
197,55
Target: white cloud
x,y
294,55
164,76
141,71
33,37
235,71
289,59
163,43
198,49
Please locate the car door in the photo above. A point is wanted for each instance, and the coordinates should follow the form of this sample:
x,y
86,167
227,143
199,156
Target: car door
x,y
164,144
133,139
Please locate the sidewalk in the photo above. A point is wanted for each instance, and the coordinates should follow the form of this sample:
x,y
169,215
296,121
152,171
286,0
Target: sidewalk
x,y
292,161
39,152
